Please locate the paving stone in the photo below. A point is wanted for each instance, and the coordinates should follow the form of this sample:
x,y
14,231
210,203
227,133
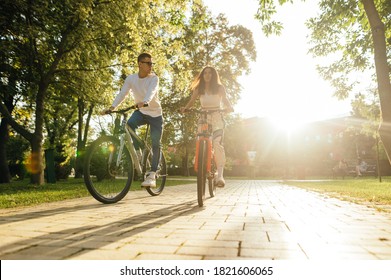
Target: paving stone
x,y
248,219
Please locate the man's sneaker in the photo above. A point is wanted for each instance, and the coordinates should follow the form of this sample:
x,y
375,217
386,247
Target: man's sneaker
x,y
150,181
220,182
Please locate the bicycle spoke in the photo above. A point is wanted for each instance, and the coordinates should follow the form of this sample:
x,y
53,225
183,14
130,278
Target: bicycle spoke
x,y
108,170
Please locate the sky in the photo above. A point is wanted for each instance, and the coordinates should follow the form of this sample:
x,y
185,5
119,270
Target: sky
x,y
284,84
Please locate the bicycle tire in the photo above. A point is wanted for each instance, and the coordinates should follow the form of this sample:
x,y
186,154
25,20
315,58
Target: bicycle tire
x,y
106,181
161,173
211,180
201,174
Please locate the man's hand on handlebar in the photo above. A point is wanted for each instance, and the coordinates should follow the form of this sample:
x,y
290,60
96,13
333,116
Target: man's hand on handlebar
x,y
141,104
133,107
107,110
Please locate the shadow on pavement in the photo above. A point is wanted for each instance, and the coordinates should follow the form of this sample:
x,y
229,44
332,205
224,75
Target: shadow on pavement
x,y
83,237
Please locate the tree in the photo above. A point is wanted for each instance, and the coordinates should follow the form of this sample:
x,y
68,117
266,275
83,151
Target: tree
x,y
228,48
382,70
355,32
36,38
45,43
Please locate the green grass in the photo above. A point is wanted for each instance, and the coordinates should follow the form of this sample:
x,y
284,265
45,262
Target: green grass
x,y
365,190
21,193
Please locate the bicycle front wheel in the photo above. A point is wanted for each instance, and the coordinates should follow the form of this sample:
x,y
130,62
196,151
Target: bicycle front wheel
x,y
108,170
161,172
201,174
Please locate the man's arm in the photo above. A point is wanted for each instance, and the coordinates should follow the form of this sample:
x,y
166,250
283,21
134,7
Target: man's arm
x,y
120,97
152,90
123,93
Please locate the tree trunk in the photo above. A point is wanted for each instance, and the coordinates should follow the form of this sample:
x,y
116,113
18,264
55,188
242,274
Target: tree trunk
x,y
36,160
5,176
382,73
37,172
82,137
78,160
35,166
185,160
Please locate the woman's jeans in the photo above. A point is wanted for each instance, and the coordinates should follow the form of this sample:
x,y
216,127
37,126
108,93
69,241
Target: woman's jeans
x,y
156,124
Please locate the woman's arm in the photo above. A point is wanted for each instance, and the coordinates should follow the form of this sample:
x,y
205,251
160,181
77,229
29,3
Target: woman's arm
x,y
193,98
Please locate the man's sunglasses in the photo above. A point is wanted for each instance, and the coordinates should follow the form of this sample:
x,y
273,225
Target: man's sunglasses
x,y
147,62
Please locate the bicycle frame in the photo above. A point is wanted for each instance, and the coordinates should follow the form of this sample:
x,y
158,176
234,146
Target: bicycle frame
x,y
204,135
205,164
112,161
126,140
132,150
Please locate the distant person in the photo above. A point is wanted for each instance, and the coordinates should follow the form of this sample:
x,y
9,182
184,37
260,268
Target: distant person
x,y
341,168
362,166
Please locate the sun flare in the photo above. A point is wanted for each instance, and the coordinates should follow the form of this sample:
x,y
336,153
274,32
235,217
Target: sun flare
x,y
287,124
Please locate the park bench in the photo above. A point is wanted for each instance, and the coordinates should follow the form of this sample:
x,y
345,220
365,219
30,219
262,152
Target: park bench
x,y
350,170
371,170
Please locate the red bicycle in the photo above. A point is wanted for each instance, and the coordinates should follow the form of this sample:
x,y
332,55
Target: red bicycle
x,y
205,165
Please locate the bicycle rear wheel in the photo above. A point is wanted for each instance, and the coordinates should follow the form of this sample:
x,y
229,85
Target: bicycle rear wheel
x,y
161,173
108,170
201,174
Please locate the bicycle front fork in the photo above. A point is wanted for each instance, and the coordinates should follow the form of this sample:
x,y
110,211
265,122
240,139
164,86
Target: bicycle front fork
x,y
209,154
133,153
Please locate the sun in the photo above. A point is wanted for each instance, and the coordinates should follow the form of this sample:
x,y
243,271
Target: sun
x,y
287,124
286,116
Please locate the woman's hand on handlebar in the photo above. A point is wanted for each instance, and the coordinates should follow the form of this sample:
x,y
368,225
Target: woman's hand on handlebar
x,y
229,110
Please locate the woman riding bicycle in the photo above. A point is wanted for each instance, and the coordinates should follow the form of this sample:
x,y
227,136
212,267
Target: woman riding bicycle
x,y
144,86
208,88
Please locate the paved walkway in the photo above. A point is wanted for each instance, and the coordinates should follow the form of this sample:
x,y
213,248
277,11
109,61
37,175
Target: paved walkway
x,y
246,220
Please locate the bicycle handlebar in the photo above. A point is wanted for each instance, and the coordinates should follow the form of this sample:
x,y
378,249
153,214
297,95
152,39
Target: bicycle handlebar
x,y
122,111
204,111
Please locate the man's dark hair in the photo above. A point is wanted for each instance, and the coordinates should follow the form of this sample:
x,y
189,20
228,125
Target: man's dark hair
x,y
142,56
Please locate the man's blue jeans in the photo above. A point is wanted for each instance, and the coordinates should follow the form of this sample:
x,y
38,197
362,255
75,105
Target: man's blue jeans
x,y
156,124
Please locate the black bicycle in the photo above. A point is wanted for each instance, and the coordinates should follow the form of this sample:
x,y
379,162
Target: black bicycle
x,y
112,162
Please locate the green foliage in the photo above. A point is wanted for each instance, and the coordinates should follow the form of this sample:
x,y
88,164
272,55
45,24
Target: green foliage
x,y
62,59
61,52
265,12
341,32
17,148
367,107
228,48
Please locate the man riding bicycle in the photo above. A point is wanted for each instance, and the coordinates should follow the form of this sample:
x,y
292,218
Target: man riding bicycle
x,y
144,86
